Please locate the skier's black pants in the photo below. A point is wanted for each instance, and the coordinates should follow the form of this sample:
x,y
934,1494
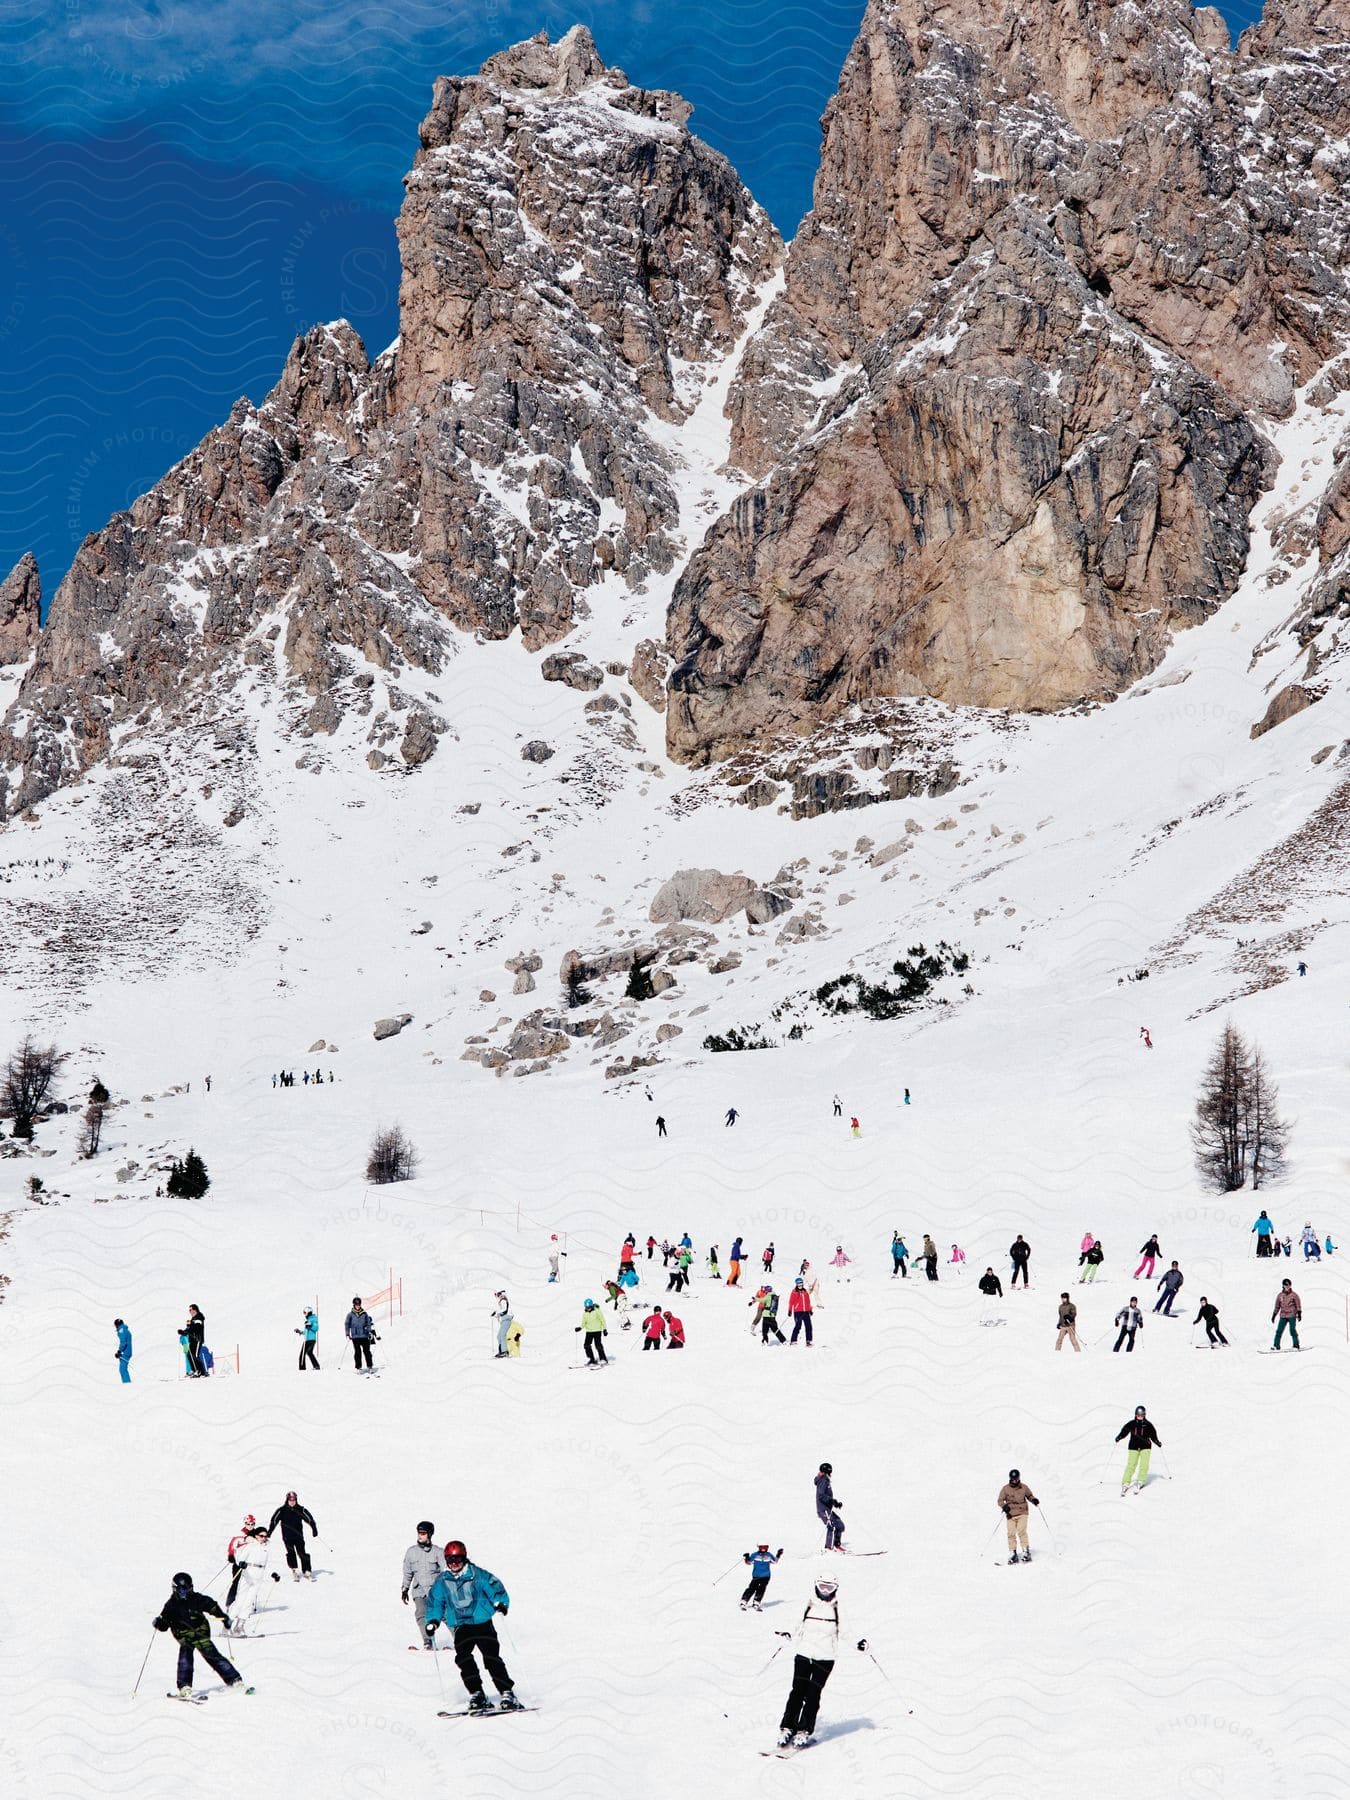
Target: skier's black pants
x,y
235,1579
766,1325
1020,1268
1125,1332
651,1343
757,1588
209,1654
675,1283
295,1547
1215,1334
800,1320
899,1268
362,1348
482,1638
930,1267
592,1342
307,1354
809,1676
834,1526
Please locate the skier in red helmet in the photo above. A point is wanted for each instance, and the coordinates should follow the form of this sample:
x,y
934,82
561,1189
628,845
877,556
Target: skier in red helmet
x,y
465,1598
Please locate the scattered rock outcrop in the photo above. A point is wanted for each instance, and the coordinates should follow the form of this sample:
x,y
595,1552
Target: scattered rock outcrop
x,y
390,1027
712,897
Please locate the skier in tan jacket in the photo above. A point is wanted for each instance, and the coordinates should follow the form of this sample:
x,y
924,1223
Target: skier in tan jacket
x,y
1068,1323
1014,1497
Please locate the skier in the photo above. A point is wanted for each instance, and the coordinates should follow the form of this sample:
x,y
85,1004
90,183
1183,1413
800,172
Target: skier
x,y
1013,1497
626,1252
1311,1247
1147,1037
817,1647
122,1355
1068,1323
732,1116
1209,1315
421,1567
184,1614
828,1508
767,1317
464,1598
686,1259
958,1255
1303,968
1020,1252
898,1255
838,1108
1330,1247
208,1084
1169,1286
1142,1434
929,1257
1088,1241
675,1280
1289,1311
1093,1261
501,1312
761,1561
555,1255
660,1126
596,1331
674,1331
250,1560
906,1096
1148,1255
360,1330
1130,1320
232,1550
293,1518
767,1259
1265,1231
991,1285
734,1272
799,1306
840,1260
195,1332
309,1331
653,1329
651,1245
616,1297
855,1127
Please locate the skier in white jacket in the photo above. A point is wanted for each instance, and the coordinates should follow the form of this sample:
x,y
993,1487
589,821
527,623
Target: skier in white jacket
x,y
817,1642
251,1561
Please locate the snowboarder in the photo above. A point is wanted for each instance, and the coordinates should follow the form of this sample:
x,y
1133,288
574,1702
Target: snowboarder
x,y
250,1561
799,1306
1020,1252
838,1108
828,1508
1209,1316
1068,1324
555,1255
929,1257
293,1518
761,1561
817,1647
464,1598
360,1331
1289,1311
767,1259
1013,1497
1148,1255
596,1331
1142,1434
195,1332
653,1329
501,1312
1169,1286
122,1355
421,1568
660,1126
309,1331
1130,1320
1093,1261
991,1285
1265,1232
184,1614
767,1316
734,1272
732,1116
674,1331
898,1255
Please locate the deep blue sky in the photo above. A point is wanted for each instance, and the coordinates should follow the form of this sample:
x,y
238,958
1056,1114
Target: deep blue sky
x,y
185,184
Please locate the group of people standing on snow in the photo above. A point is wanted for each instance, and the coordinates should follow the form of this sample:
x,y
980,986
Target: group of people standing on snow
x,y
286,1078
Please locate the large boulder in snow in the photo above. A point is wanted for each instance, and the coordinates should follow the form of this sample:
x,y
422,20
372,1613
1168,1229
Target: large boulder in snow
x,y
387,1028
711,896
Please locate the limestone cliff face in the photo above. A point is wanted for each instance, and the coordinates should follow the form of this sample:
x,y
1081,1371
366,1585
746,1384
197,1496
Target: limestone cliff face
x,y
20,611
1063,260
569,251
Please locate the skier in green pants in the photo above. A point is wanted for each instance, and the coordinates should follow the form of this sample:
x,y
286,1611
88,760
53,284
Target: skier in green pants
x,y
1142,1434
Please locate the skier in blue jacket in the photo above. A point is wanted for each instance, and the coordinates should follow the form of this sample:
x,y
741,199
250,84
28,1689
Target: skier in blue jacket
x,y
761,1563
123,1348
465,1598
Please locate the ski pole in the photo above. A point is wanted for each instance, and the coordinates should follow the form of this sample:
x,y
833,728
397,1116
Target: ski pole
x,y
144,1660
736,1565
440,1678
768,1665
1040,1513
1110,1458
1167,1468
989,1540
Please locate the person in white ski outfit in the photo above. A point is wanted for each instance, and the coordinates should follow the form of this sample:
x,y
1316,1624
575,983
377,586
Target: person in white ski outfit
x,y
817,1643
251,1561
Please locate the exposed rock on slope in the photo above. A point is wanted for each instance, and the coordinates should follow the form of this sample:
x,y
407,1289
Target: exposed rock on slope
x,y
1061,260
566,245
20,611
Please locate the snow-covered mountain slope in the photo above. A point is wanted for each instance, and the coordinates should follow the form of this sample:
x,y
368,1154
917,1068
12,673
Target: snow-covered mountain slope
x,y
1178,1640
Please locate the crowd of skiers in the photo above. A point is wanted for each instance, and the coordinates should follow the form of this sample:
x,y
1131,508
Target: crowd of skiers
x,y
286,1078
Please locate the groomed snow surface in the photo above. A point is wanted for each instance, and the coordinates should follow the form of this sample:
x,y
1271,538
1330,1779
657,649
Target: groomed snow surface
x,y
1183,1641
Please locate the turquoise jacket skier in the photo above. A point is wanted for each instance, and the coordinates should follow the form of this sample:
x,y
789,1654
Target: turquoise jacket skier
x,y
470,1597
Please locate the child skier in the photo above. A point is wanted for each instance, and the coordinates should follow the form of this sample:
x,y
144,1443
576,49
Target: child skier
x,y
184,1614
761,1561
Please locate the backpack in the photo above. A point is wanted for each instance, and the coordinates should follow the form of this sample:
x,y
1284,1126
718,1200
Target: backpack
x,y
208,1361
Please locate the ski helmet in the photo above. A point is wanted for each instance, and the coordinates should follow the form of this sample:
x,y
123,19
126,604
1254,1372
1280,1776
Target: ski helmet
x,y
455,1552
182,1583
1014,1474
827,1468
761,1546
356,1299
827,1588
249,1521
427,1526
1138,1410
590,1305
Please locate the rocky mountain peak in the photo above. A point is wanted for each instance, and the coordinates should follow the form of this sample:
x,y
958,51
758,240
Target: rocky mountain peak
x,y
20,610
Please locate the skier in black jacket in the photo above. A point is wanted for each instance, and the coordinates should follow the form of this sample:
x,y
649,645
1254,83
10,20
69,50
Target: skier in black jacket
x,y
1020,1252
1209,1314
293,1519
184,1614
1142,1436
828,1509
990,1284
